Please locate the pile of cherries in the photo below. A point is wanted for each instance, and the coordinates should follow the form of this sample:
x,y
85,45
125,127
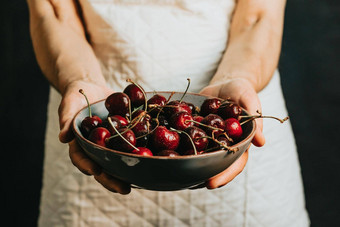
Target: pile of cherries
x,y
163,127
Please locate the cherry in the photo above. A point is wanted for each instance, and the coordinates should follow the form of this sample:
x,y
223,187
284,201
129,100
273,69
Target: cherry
x,y
116,123
170,153
123,121
90,122
135,94
212,123
99,136
210,106
164,139
142,151
155,103
176,106
124,140
194,109
197,135
229,110
181,120
233,128
197,119
118,103
220,142
157,99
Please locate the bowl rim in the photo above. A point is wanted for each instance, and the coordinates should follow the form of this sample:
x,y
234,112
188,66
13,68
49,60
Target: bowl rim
x,y
131,155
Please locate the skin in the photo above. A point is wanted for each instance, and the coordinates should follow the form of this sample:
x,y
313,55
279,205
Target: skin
x,y
247,66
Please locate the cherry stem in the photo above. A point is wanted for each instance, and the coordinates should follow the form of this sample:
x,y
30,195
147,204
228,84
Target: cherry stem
x,y
208,126
121,135
253,117
145,101
88,103
192,142
186,90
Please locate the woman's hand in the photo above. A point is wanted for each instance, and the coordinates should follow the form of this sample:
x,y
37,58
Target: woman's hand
x,y
71,103
241,91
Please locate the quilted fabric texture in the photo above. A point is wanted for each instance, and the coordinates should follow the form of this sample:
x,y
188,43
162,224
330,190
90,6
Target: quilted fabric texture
x,y
160,44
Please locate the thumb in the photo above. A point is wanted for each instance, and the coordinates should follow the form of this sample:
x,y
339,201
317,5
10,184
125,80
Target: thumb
x,y
68,108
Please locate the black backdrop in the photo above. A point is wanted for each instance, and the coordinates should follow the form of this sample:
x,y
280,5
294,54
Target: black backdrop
x,y
310,78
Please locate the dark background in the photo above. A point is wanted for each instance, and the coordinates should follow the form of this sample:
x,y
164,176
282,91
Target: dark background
x,y
310,79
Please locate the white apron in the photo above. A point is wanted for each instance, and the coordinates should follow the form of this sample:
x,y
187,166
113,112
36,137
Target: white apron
x,y
159,44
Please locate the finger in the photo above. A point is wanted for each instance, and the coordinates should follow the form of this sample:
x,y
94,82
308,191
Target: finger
x,y
67,110
229,174
81,160
112,184
249,100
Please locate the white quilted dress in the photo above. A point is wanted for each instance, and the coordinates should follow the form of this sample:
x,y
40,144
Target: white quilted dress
x,y
159,44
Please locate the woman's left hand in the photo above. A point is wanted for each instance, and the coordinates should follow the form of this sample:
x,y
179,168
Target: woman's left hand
x,y
241,91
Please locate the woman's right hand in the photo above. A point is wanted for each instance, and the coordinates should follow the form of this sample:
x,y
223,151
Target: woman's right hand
x,y
72,101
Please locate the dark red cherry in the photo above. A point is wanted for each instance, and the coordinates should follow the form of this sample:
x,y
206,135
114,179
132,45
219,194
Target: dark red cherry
x,y
222,140
197,118
169,153
118,143
118,103
157,99
197,136
123,121
194,109
210,106
135,94
181,120
229,110
233,128
154,104
116,123
142,151
174,107
90,122
99,136
214,121
164,139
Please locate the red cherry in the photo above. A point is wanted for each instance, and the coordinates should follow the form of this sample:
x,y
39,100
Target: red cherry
x,y
157,99
210,106
233,128
115,122
174,107
123,121
135,94
119,143
164,139
99,136
197,118
181,120
229,110
90,122
118,103
221,141
142,151
197,136
214,121
154,103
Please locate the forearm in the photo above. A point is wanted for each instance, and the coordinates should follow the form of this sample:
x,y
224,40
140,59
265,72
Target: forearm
x,y
254,43
60,45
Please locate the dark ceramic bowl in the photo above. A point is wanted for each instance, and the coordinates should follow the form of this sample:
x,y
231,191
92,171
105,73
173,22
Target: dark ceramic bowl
x,y
158,172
